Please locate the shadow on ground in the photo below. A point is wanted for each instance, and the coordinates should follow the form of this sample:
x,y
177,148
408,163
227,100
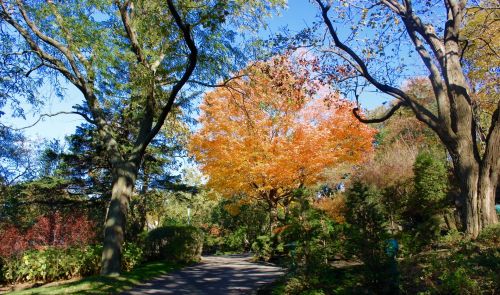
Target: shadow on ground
x,y
233,274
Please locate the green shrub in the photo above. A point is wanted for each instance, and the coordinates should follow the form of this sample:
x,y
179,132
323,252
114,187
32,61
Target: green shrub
x,y
132,256
50,264
457,282
175,243
367,235
422,213
311,238
212,244
236,240
263,248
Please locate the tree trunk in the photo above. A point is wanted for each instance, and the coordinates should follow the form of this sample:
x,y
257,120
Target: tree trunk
x,y
478,186
124,176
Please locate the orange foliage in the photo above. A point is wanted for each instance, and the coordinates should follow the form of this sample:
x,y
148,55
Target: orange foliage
x,y
274,130
333,207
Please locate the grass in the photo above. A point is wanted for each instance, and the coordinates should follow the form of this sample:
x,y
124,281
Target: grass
x,y
103,284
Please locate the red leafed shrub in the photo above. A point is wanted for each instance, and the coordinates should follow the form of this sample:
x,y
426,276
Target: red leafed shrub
x,y
12,241
53,230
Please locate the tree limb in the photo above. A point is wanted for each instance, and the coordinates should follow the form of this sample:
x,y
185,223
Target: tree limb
x,y
422,113
192,60
87,118
52,42
386,116
131,34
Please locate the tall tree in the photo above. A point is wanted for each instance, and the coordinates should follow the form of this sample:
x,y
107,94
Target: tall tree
x,y
434,32
122,56
274,131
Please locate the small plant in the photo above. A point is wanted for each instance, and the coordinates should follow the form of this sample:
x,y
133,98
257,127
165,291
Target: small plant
x,y
457,282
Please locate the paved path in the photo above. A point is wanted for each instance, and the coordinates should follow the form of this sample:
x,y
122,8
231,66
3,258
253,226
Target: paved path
x,y
233,274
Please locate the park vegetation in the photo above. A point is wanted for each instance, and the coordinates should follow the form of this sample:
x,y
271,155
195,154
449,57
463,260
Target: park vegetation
x,y
198,139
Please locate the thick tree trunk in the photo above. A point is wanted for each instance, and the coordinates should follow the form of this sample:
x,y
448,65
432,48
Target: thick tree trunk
x,y
478,186
124,176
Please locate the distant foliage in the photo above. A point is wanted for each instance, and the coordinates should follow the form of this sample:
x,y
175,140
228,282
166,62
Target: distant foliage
x,y
235,227
52,230
175,243
334,207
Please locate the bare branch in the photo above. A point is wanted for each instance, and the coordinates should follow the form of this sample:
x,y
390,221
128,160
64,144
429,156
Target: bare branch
x,y
34,69
386,116
223,84
87,118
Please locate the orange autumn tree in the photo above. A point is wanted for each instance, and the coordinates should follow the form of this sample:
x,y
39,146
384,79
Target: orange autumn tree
x,y
275,130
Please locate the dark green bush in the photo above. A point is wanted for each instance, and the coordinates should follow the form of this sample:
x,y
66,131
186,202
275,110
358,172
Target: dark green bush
x,y
50,264
422,213
311,238
367,235
263,248
175,243
212,244
490,236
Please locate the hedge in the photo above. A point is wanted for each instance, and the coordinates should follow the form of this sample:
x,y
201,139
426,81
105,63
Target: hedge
x,y
175,243
51,263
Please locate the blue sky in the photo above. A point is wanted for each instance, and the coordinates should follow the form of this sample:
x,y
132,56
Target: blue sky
x,y
298,15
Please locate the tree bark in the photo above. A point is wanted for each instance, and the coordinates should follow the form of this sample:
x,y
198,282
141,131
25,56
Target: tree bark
x,y
478,182
478,191
124,176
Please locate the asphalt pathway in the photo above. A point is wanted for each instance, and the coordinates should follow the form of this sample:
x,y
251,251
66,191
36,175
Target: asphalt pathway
x,y
233,274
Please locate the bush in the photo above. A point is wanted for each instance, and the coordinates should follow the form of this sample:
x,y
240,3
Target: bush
x,y
490,236
423,211
236,240
263,248
51,230
311,238
51,263
132,256
367,235
457,281
459,266
175,243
